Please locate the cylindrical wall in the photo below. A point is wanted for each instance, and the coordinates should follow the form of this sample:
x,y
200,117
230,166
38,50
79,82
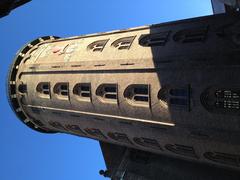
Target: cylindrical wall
x,y
169,88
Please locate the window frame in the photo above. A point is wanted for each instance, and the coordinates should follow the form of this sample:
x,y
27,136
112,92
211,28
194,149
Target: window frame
x,y
130,95
178,97
149,40
123,43
58,91
41,90
97,46
101,93
78,92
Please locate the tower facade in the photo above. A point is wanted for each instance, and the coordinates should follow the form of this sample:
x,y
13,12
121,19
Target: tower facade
x,y
170,88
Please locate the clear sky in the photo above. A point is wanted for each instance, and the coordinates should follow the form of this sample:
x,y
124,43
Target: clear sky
x,y
29,155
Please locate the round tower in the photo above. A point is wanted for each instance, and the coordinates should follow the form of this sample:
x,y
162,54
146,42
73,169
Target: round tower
x,y
169,88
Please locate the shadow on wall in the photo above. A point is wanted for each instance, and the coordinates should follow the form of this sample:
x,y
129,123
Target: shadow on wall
x,y
197,64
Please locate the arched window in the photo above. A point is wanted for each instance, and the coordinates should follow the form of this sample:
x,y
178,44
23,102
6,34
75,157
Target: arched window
x,y
82,91
22,88
123,43
147,142
95,133
158,39
75,129
97,46
181,150
138,94
120,137
107,93
61,90
177,97
197,34
224,158
43,89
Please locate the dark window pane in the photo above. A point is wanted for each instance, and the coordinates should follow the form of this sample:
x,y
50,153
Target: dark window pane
x,y
64,87
85,88
45,86
110,89
45,92
179,92
85,94
64,93
141,90
141,98
178,101
22,88
111,96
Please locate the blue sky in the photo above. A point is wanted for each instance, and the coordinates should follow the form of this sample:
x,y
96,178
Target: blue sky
x,y
29,155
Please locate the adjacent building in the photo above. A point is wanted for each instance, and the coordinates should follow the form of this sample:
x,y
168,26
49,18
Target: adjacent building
x,y
6,6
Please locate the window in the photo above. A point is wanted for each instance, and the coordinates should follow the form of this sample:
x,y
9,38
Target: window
x,y
22,88
146,142
179,97
61,89
198,34
108,93
138,94
97,46
75,129
123,43
178,92
221,100
224,158
56,125
120,137
96,133
158,39
178,101
175,97
43,89
181,150
83,91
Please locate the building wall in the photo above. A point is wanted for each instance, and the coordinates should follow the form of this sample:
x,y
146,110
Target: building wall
x,y
169,88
